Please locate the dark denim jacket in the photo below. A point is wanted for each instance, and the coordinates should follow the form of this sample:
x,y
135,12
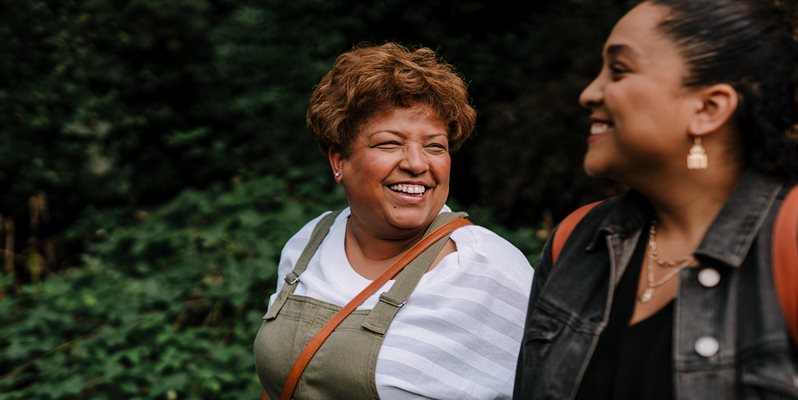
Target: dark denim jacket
x,y
730,340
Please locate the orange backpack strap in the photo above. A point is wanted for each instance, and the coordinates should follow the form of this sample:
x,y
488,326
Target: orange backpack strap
x,y
785,260
566,227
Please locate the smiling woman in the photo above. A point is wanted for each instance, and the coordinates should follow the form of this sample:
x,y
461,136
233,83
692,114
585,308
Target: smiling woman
x,y
666,291
638,102
449,326
400,172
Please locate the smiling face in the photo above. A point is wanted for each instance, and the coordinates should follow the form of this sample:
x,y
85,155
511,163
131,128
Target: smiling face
x,y
396,174
640,109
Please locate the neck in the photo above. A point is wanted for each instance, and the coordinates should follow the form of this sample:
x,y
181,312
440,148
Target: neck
x,y
370,246
686,203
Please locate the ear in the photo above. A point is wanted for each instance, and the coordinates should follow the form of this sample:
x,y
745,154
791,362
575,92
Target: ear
x,y
714,109
337,161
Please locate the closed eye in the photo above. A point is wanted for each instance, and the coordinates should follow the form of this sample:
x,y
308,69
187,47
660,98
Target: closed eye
x,y
436,148
388,145
617,71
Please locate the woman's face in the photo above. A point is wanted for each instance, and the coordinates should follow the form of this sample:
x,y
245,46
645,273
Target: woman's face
x,y
639,107
396,176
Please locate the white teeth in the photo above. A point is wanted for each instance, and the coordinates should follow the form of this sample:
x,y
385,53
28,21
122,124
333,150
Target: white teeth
x,y
411,189
598,128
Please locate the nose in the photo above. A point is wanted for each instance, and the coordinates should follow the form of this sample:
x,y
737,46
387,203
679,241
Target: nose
x,y
592,95
414,160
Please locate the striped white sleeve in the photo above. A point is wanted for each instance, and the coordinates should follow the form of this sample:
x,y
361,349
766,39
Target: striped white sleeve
x,y
459,334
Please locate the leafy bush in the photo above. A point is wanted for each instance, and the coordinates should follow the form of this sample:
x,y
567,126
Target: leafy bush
x,y
153,132
165,307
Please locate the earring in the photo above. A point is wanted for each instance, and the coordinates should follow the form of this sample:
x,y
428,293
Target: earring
x,y
697,159
338,174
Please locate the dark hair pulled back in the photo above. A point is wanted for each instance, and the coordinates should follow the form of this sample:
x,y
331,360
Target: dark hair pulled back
x,y
751,45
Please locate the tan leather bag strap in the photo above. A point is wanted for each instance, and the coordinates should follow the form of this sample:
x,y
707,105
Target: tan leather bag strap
x,y
566,227
316,342
785,260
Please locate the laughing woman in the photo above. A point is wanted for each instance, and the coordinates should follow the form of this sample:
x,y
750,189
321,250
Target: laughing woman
x,y
388,118
666,292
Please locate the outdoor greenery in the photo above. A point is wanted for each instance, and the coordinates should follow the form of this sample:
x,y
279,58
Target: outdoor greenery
x,y
164,307
154,160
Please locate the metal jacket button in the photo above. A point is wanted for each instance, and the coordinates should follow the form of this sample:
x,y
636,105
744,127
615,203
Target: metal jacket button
x,y
706,346
709,277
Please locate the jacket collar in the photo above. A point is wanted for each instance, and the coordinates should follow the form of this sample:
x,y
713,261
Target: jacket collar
x,y
628,214
729,237
731,234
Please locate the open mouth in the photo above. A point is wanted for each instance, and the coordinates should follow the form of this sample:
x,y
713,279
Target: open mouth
x,y
598,129
408,189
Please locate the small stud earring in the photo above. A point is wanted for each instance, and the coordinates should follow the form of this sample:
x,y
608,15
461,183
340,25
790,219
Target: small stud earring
x,y
697,159
338,174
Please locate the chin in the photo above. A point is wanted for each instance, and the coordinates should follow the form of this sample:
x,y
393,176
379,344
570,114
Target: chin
x,y
412,220
594,169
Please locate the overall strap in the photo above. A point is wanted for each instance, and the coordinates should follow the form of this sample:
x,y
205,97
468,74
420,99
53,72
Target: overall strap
x,y
391,301
319,233
315,343
785,260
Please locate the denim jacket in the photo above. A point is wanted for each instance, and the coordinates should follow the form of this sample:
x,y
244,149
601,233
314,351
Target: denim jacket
x,y
730,340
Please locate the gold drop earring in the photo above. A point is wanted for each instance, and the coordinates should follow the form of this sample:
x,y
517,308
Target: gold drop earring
x,y
697,159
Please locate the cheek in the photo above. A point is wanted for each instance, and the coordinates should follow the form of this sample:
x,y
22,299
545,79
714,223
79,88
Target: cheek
x,y
376,167
621,101
637,114
441,168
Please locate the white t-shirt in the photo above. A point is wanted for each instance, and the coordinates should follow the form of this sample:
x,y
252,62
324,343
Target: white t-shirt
x,y
459,333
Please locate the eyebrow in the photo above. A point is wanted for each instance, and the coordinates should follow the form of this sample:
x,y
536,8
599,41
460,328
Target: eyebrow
x,y
398,133
615,50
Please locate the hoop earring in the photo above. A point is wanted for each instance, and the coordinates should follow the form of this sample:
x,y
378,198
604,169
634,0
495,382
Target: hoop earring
x,y
697,159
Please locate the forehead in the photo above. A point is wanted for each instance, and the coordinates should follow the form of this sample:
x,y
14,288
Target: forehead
x,y
639,31
413,114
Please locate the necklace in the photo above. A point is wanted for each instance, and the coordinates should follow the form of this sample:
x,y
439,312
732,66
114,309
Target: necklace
x,y
652,244
653,258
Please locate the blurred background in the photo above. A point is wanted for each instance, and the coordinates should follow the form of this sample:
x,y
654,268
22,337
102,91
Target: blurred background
x,y
154,160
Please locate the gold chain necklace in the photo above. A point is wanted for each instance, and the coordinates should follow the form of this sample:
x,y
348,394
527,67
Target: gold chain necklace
x,y
653,258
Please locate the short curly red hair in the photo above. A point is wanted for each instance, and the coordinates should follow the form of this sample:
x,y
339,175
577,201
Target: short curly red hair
x,y
369,79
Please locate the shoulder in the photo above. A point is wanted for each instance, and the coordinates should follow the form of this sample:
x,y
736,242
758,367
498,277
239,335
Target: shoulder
x,y
583,227
482,249
294,246
302,236
620,213
483,243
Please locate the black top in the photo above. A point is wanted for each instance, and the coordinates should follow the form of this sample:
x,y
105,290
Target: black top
x,y
631,362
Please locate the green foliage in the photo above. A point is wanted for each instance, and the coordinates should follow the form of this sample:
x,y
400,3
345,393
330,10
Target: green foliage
x,y
165,306
126,103
169,140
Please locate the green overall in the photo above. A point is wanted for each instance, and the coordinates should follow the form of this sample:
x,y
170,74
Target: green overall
x,y
344,367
